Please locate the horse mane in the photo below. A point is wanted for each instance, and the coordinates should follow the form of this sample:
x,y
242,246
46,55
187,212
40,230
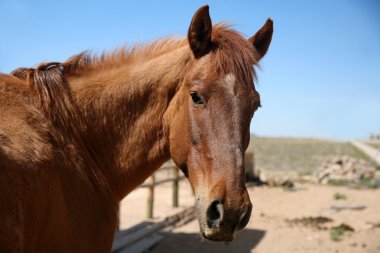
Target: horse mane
x,y
54,97
88,62
232,53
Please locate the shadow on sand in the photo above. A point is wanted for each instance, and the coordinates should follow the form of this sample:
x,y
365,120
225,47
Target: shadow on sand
x,y
244,242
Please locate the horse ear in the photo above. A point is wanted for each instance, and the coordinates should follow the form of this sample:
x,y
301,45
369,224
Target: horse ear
x,y
199,34
261,40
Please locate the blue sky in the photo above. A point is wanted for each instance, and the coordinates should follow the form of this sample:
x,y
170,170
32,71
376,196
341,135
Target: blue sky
x,y
320,78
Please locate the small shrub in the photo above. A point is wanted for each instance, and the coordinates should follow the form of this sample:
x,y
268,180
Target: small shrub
x,y
340,182
369,183
304,173
336,233
339,196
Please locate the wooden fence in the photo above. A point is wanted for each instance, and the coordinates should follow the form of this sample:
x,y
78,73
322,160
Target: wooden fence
x,y
151,183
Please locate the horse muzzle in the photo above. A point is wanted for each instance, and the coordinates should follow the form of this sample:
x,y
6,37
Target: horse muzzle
x,y
219,223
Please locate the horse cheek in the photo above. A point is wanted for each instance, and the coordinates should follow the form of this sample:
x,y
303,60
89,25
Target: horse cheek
x,y
180,142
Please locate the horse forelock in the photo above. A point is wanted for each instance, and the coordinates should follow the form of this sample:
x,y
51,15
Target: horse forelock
x,y
233,53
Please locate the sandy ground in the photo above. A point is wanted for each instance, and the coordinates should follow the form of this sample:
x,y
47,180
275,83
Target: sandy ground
x,y
268,231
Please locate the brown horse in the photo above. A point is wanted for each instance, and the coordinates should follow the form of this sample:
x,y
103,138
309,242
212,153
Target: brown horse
x,y
76,137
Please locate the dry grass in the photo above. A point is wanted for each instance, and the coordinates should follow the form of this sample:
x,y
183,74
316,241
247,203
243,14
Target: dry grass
x,y
374,145
296,154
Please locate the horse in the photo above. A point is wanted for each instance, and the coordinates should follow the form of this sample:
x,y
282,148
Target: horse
x,y
76,137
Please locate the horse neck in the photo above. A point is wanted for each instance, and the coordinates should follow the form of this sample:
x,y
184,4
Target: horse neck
x,y
122,112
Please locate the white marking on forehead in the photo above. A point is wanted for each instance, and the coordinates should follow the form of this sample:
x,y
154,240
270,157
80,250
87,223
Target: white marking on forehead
x,y
229,83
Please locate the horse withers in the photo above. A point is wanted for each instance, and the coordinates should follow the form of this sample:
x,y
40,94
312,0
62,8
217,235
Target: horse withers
x,y
76,137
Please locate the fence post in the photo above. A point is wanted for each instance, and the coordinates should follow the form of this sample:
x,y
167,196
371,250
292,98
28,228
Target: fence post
x,y
149,208
175,187
250,173
118,217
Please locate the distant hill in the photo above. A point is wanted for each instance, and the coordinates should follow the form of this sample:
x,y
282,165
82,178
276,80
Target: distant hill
x,y
297,154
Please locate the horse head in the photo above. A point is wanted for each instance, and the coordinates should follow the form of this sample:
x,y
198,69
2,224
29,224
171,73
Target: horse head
x,y
210,119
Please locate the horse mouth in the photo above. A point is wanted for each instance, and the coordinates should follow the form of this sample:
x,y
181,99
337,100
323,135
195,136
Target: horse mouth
x,y
225,231
217,234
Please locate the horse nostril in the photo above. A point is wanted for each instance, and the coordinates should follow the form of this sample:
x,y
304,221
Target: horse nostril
x,y
215,214
244,217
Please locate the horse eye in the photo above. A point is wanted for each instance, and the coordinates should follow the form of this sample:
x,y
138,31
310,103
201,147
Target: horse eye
x,y
196,98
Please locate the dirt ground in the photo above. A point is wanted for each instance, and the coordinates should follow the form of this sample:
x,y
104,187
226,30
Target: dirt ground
x,y
269,230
